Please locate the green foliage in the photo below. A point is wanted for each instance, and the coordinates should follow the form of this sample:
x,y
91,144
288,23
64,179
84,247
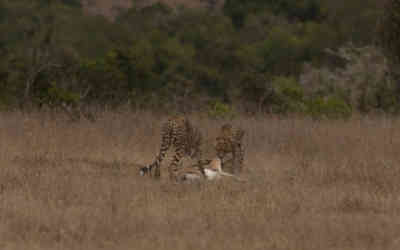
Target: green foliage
x,y
237,11
315,38
303,10
57,96
284,51
332,107
353,20
389,31
218,109
281,52
363,82
251,52
287,96
73,3
109,83
382,96
139,21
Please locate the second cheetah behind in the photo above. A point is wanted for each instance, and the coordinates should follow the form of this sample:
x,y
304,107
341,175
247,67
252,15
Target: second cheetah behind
x,y
230,141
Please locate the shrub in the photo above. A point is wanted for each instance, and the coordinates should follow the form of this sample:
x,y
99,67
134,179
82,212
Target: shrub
x,y
281,52
388,35
330,107
362,83
217,109
287,96
58,96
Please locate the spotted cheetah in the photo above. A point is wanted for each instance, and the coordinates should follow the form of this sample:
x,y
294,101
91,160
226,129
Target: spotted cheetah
x,y
179,133
230,141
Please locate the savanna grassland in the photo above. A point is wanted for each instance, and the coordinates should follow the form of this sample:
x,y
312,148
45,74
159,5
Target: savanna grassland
x,y
310,185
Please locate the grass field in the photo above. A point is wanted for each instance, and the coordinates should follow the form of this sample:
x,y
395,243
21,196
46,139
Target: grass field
x,y
311,185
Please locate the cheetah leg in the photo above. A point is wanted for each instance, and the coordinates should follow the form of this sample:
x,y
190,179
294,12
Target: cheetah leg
x,y
174,166
234,160
221,156
165,144
240,159
235,157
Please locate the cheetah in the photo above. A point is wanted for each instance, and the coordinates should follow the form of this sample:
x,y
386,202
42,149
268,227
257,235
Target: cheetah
x,y
230,141
179,133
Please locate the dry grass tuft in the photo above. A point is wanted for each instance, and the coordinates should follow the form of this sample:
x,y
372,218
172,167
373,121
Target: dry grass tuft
x,y
312,185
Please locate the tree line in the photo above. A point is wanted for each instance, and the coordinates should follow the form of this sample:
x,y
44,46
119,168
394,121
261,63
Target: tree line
x,y
315,57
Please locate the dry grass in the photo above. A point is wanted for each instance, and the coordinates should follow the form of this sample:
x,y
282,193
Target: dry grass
x,y
313,185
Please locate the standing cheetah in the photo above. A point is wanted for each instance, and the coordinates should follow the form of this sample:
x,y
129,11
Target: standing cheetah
x,y
230,141
179,133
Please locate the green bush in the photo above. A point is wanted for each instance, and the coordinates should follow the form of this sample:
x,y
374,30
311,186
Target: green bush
x,y
251,52
217,109
58,96
380,96
281,52
304,10
332,107
287,96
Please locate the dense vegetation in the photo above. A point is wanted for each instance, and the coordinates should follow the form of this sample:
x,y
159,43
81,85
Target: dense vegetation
x,y
283,56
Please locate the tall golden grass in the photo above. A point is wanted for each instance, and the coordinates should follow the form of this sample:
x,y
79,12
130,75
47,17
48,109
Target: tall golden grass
x,y
311,185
